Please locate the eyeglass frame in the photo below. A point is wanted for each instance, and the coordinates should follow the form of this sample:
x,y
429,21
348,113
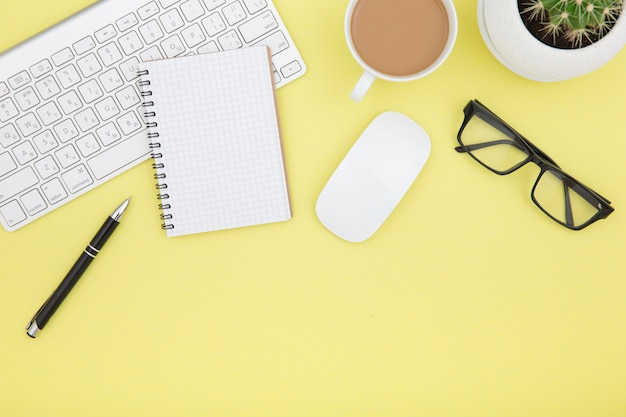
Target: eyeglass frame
x,y
539,158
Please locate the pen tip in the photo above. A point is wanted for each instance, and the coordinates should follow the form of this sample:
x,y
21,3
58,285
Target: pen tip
x,y
32,329
117,214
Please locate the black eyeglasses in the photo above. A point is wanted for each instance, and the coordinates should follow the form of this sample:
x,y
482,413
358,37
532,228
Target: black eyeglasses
x,y
501,149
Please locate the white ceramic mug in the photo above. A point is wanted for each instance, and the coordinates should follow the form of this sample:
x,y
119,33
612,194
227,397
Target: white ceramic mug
x,y
370,74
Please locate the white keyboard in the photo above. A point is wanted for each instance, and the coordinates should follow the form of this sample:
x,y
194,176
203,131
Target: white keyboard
x,y
70,109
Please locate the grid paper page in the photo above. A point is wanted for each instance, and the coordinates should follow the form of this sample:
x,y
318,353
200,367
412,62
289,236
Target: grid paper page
x,y
220,141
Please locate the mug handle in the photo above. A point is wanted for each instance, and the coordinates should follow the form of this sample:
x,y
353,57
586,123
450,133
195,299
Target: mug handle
x,y
361,87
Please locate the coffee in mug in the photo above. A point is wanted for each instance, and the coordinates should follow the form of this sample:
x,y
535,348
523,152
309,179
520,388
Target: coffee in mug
x,y
399,40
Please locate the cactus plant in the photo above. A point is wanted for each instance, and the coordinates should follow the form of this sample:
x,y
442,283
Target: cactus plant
x,y
577,20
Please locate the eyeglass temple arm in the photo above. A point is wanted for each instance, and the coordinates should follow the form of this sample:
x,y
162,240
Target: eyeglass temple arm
x,y
476,146
590,196
587,194
569,215
584,193
501,125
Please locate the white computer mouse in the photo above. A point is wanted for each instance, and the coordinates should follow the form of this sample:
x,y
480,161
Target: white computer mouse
x,y
373,177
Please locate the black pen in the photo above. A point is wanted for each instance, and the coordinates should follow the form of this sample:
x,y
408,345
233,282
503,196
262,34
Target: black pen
x,y
50,306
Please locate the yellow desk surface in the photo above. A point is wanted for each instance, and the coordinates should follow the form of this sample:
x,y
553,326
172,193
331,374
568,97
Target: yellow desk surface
x,y
467,302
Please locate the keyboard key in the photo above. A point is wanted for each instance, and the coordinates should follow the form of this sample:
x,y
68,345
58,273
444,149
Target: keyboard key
x,y
45,141
147,11
49,113
27,99
84,45
12,213
54,191
68,76
47,87
209,47
129,68
111,80
90,91
7,109
171,21
28,124
86,119
276,42
126,22
151,32
129,123
212,4
4,89
16,183
70,102
128,97
108,134
19,80
193,35
192,9
125,153
89,65
173,46
110,54
254,6
130,43
291,69
77,178
7,164
106,33
65,55
230,40
167,3
214,24
234,13
66,130
33,202
88,145
41,68
107,108
47,167
258,26
67,156
24,152
8,135
151,54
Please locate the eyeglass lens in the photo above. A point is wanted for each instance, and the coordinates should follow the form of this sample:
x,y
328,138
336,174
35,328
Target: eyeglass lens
x,y
554,195
494,148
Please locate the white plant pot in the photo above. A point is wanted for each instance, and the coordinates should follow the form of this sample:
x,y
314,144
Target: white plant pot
x,y
517,49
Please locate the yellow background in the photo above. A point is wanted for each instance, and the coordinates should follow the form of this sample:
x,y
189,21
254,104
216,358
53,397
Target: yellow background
x,y
467,302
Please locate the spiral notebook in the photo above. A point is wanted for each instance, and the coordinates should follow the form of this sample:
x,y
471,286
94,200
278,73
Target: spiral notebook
x,y
213,123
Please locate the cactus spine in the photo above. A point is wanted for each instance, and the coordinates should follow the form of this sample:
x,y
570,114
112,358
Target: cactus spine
x,y
576,19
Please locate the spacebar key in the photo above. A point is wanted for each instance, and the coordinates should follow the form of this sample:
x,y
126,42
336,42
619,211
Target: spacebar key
x,y
120,157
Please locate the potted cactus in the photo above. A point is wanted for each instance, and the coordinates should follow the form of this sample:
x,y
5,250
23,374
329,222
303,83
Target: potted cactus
x,y
553,40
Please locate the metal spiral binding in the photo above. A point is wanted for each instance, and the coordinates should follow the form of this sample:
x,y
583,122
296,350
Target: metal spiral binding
x,y
154,144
